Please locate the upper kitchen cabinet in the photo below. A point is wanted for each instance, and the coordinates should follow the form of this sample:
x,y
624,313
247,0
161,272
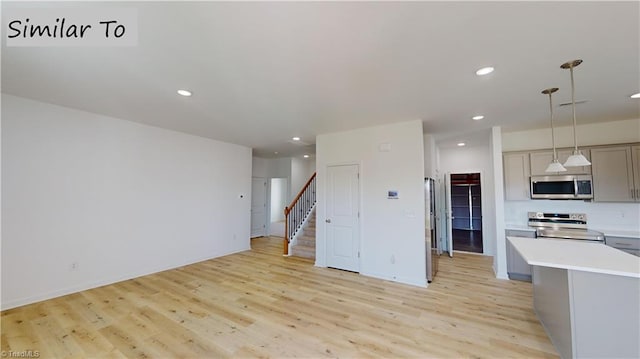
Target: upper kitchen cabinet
x,y
635,160
540,161
615,172
516,176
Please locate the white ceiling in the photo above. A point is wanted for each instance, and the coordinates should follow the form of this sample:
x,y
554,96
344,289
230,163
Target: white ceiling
x,y
264,72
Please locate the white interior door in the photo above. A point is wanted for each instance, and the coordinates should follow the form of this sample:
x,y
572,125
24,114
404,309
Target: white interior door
x,y
342,219
258,207
448,213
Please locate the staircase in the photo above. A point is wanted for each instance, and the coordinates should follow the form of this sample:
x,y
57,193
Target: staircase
x,y
305,246
300,216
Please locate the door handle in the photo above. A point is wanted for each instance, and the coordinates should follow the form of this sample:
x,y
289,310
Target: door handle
x,y
327,220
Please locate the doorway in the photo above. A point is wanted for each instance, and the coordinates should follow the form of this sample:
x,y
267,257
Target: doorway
x,y
466,212
258,207
279,195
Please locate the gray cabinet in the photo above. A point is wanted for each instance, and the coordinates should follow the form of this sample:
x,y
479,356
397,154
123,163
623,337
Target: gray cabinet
x,y
629,245
540,161
635,163
613,174
516,176
588,314
517,267
615,170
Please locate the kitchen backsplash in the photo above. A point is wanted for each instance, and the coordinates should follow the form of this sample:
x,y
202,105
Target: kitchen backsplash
x,y
600,216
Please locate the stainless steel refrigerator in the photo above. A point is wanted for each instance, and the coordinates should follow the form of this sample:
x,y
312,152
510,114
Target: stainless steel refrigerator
x,y
433,250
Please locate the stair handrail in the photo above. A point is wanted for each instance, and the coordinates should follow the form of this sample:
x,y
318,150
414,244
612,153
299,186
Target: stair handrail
x,y
296,212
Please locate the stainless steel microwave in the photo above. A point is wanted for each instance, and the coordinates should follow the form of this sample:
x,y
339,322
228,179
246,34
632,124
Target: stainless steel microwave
x,y
562,187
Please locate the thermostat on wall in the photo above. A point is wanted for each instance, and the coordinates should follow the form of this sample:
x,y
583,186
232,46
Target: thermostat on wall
x,y
392,194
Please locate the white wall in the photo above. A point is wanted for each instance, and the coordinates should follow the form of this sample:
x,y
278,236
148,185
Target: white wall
x,y
259,167
603,133
118,198
271,167
430,154
471,159
278,201
311,166
500,246
600,216
299,174
389,228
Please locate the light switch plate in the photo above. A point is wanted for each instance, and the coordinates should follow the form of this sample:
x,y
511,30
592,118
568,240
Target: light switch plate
x,y
384,147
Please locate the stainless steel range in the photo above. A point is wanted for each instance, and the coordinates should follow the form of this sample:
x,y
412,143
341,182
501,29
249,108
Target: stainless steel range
x,y
563,226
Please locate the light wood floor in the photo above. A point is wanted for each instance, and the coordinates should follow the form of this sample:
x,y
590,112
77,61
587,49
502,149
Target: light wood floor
x,y
260,304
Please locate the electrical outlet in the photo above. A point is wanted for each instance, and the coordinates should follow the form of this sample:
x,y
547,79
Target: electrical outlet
x,y
393,259
74,266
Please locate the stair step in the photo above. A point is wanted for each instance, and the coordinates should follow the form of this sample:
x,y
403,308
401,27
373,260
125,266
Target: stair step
x,y
306,241
305,246
311,247
303,251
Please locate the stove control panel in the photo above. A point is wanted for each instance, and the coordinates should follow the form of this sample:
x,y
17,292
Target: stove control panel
x,y
578,216
557,220
558,216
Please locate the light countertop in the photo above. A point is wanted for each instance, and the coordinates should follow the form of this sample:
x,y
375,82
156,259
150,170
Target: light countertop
x,y
576,255
607,232
519,227
617,233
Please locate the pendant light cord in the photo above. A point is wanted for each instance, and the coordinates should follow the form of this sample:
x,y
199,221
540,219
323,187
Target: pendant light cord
x,y
577,159
573,102
553,139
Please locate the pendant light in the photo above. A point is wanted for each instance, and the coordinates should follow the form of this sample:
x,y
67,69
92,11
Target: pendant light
x,y
577,159
555,165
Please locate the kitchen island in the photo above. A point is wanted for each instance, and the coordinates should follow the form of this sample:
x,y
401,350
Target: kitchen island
x,y
586,295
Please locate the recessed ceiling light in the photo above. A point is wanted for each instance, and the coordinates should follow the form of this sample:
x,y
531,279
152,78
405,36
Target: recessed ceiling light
x,y
635,95
461,144
275,153
296,138
479,117
184,93
306,156
484,71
